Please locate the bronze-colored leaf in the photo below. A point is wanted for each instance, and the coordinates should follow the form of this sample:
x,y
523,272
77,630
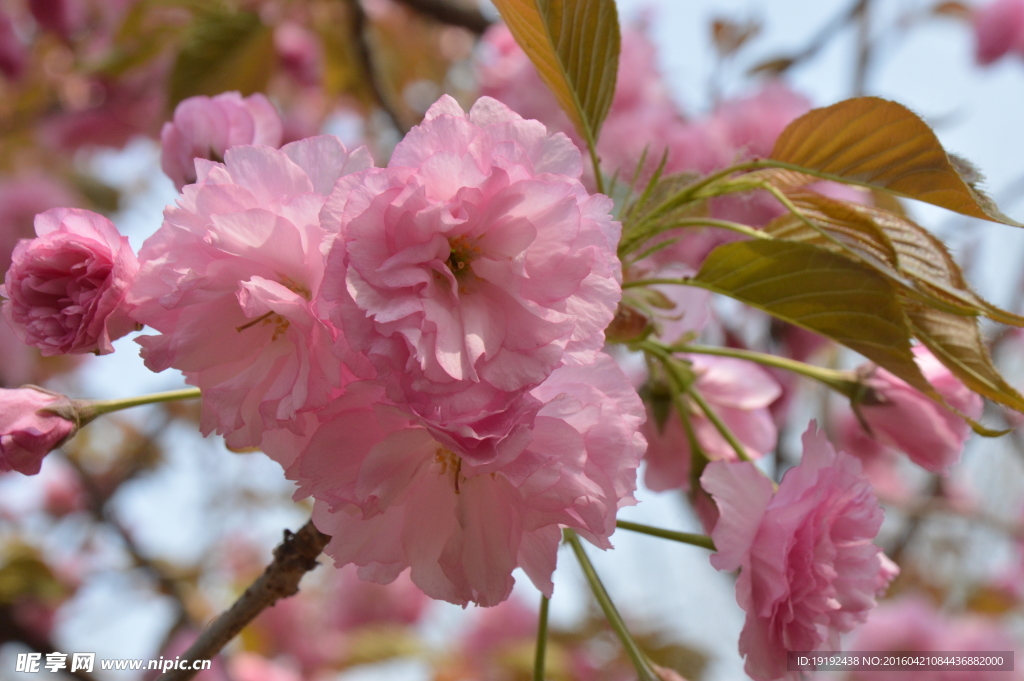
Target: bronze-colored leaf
x,y
820,291
957,342
575,46
879,143
900,249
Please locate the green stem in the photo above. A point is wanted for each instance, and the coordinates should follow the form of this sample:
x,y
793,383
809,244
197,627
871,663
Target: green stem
x,y
643,667
598,179
719,424
90,409
746,230
542,640
842,382
700,540
664,354
670,281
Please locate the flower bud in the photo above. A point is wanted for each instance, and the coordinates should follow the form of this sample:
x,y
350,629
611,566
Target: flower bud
x,y
33,421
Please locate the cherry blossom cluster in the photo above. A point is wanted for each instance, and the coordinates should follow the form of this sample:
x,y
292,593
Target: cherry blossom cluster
x,y
421,347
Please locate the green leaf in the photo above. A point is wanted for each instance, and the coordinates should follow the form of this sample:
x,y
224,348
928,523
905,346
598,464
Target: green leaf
x,y
223,51
640,219
822,292
957,342
575,46
878,143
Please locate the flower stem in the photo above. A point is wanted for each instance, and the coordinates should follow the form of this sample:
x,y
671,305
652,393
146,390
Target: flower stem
x,y
843,382
90,409
640,662
542,640
718,423
700,540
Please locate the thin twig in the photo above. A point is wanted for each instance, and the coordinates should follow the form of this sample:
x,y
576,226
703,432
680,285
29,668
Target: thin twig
x,y
295,557
365,54
447,13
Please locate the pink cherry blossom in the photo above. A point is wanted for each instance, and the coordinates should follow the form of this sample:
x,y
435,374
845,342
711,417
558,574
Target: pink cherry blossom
x,y
229,280
739,392
808,569
471,267
752,124
932,436
66,288
999,29
205,127
27,431
393,497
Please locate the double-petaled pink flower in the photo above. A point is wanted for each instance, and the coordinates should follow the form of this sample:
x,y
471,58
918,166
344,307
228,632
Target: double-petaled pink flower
x,y
229,281
394,497
206,127
66,288
472,267
808,568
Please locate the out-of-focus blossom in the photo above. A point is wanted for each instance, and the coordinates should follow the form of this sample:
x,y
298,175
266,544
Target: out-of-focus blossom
x,y
229,279
999,30
115,112
752,124
356,603
913,624
470,268
299,53
12,50
641,100
28,430
251,667
206,127
63,17
392,497
66,288
932,436
808,569
739,392
63,493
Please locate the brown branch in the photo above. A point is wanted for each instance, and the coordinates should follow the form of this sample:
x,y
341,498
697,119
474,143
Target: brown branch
x,y
295,557
365,53
447,13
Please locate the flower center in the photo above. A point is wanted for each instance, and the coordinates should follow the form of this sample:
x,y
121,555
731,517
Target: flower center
x,y
280,324
450,461
462,254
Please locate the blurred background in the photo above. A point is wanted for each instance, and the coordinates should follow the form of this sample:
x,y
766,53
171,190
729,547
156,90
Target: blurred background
x,y
139,530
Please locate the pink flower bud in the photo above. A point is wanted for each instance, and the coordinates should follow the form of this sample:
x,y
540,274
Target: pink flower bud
x,y
205,127
932,436
66,287
29,430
